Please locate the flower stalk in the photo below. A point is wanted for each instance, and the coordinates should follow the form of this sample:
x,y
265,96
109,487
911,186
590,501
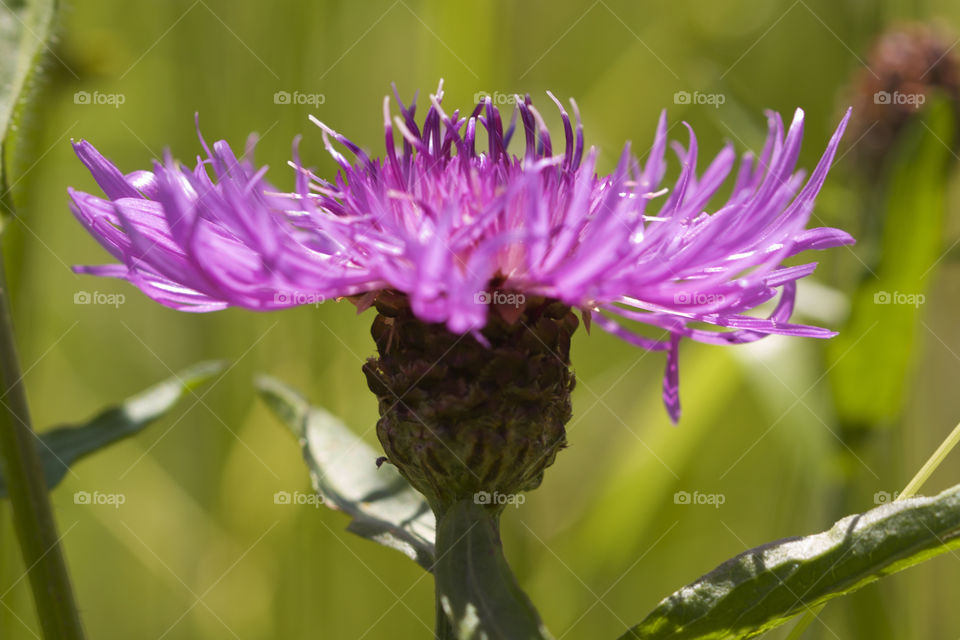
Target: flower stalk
x,y
23,473
477,593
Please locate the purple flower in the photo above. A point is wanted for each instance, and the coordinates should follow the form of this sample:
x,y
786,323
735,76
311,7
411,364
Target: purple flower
x,y
452,228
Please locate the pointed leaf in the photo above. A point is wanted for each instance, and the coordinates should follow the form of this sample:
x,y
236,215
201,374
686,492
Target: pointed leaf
x,y
764,587
61,447
382,504
25,28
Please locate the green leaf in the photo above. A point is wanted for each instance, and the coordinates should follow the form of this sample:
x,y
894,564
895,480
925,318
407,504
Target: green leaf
x,y
475,586
61,447
764,587
382,504
872,356
25,28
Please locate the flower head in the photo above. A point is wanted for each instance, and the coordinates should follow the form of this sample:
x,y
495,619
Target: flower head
x,y
460,231
908,66
910,59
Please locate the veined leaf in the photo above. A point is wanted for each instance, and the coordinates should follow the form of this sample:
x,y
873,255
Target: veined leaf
x,y
24,31
382,504
61,447
25,28
766,586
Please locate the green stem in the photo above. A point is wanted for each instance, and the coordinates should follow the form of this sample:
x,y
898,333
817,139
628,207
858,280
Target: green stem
x,y
444,630
931,465
32,513
475,586
910,490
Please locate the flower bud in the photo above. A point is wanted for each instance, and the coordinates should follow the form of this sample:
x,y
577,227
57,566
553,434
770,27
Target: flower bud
x,y
906,67
460,418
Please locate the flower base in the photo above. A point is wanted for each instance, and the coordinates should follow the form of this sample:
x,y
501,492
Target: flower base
x,y
463,419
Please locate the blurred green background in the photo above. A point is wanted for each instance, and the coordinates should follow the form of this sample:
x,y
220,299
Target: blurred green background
x,y
200,550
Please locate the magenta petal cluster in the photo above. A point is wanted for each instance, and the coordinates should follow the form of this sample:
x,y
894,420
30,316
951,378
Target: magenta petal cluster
x,y
450,226
199,244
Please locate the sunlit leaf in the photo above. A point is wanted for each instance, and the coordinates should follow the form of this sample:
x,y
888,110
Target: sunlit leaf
x,y
61,447
766,586
383,506
25,28
24,31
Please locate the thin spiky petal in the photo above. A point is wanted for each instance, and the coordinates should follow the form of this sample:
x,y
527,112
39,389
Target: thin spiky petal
x,y
449,216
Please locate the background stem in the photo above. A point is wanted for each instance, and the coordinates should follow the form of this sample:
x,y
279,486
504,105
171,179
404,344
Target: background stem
x,y
32,513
